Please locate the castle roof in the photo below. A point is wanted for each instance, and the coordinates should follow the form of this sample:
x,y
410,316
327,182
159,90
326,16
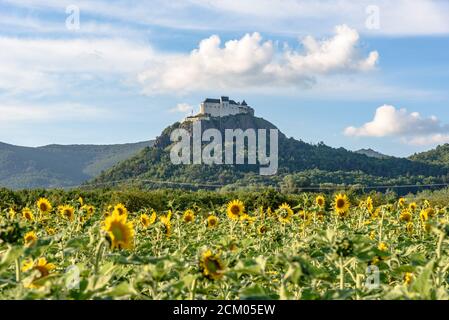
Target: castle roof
x,y
209,100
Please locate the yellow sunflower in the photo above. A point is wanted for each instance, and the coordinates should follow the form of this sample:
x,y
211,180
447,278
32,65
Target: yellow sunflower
x,y
402,202
153,217
235,209
341,204
121,209
212,221
426,214
408,278
27,214
410,227
320,201
262,229
67,212
412,206
42,266
369,204
30,238
90,210
245,218
12,213
188,216
145,220
284,213
166,223
211,265
120,232
44,205
405,215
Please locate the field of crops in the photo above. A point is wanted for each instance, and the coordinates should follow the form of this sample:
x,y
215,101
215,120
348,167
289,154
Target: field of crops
x,y
323,247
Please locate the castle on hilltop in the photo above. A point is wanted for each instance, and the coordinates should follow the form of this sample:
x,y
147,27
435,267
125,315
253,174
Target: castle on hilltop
x,y
221,108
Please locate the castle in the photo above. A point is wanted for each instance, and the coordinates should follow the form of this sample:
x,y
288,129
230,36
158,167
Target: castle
x,y
221,108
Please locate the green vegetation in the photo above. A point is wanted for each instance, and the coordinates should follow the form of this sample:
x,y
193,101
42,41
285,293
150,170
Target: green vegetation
x,y
301,165
59,166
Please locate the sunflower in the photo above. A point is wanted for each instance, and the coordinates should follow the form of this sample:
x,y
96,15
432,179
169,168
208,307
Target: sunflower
x,y
369,204
50,231
12,213
320,201
426,214
383,247
188,216
235,209
44,205
405,215
212,221
410,227
262,229
341,204
27,214
246,218
90,210
412,206
408,278
81,201
67,212
41,266
153,217
30,238
145,220
402,202
211,265
284,213
166,223
120,232
121,209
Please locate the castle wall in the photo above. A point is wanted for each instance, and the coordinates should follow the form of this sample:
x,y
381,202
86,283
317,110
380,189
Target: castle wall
x,y
218,110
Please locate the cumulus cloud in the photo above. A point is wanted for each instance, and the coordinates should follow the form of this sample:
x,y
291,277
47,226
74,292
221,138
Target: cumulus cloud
x,y
409,127
251,62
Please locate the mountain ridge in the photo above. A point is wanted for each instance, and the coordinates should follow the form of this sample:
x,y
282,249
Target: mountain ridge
x,y
298,161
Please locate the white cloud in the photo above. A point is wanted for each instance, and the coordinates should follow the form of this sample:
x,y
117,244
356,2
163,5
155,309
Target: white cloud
x,y
409,127
182,108
19,113
398,18
42,65
251,62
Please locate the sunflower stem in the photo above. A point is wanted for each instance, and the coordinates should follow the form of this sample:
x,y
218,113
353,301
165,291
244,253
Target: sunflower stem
x,y
342,274
18,271
98,254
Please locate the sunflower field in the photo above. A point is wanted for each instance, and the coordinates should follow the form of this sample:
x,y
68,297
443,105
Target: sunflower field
x,y
320,247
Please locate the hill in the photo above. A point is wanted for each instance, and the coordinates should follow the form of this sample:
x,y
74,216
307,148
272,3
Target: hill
x,y
372,153
59,166
437,156
300,164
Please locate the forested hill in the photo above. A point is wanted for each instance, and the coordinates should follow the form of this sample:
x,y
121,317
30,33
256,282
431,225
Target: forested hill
x,y
59,166
300,164
438,156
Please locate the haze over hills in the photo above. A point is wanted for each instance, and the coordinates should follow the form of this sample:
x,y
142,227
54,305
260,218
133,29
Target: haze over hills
x,y
55,166
372,153
300,164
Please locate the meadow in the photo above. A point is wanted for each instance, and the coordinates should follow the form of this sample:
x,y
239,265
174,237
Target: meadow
x,y
339,245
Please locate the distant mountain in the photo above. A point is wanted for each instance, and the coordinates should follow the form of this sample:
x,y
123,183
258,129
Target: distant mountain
x,y
438,156
372,153
300,164
59,166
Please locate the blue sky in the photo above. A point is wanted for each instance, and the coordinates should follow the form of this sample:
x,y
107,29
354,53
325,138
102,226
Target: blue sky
x,y
370,74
